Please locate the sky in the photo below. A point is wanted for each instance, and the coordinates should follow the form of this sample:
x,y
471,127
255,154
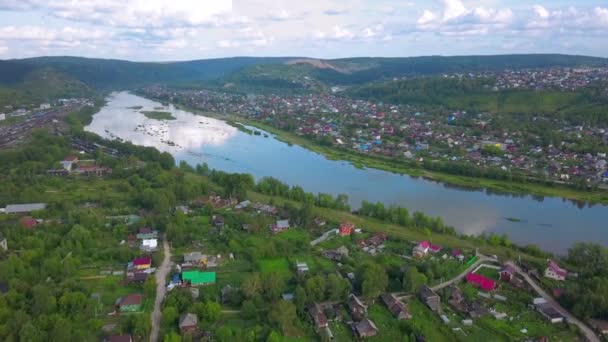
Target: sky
x,y
171,30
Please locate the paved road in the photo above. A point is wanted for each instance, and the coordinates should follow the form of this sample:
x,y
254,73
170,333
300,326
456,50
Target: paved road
x,y
161,291
588,332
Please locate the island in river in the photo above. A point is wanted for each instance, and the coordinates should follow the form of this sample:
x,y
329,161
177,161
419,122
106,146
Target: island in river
x,y
158,115
550,222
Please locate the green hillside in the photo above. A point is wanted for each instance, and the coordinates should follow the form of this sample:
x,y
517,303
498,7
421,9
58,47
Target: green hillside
x,y
42,85
274,72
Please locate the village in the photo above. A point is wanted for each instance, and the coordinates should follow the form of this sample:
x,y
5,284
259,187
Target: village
x,y
454,141
215,262
481,291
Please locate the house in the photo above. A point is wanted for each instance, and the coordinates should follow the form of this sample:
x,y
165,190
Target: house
x,y
318,317
194,258
137,277
457,254
430,298
243,205
365,328
3,243
547,310
280,226
149,245
301,267
599,325
346,228
3,287
395,306
68,162
147,233
480,281
553,271
434,249
118,338
507,273
24,208
188,323
142,263
45,106
336,254
130,303
356,307
421,249
28,222
226,292
218,221
197,278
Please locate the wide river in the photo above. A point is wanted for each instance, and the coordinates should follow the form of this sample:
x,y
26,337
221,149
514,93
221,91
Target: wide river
x,y
552,223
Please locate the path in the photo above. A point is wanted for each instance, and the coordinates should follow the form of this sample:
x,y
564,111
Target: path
x,y
161,291
480,260
588,332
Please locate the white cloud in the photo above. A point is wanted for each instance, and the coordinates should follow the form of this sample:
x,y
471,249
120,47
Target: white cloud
x,y
455,18
67,34
3,49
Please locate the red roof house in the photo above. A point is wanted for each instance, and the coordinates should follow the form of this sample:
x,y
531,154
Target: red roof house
x,y
346,228
434,248
553,271
421,249
482,282
28,222
142,262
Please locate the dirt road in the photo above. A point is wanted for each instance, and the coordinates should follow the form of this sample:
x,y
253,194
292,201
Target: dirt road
x,y
161,291
588,332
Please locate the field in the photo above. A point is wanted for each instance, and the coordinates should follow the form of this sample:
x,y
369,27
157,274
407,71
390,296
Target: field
x,y
158,115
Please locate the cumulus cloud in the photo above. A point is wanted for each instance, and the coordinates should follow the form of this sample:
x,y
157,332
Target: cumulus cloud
x,y
569,19
455,18
132,13
67,34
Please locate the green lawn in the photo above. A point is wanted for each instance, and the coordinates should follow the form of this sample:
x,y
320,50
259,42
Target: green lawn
x,y
276,265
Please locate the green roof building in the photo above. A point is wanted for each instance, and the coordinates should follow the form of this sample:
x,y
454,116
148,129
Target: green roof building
x,y
196,278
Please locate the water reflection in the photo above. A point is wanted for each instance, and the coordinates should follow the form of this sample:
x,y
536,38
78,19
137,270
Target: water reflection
x,y
552,223
120,119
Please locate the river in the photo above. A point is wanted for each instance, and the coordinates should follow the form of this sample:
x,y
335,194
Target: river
x,y
551,223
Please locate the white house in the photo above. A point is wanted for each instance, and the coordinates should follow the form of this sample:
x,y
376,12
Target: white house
x,y
553,271
2,116
45,106
149,244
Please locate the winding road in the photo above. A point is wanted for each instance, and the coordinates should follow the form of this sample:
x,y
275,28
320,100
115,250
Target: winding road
x,y
588,332
161,291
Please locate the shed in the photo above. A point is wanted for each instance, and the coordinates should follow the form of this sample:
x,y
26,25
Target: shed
x,y
197,278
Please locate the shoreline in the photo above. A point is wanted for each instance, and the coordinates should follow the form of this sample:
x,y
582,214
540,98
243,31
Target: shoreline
x,y
362,161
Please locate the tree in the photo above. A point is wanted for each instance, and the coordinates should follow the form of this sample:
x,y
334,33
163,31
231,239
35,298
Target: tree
x,y
273,285
315,289
172,337
283,316
150,287
413,280
374,280
337,288
211,312
252,285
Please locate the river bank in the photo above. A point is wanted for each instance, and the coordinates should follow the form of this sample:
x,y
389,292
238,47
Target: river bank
x,y
360,160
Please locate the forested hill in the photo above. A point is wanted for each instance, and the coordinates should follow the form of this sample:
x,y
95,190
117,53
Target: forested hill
x,y
116,74
108,73
357,71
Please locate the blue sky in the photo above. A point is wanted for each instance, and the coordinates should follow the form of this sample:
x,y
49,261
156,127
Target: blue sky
x,y
167,30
